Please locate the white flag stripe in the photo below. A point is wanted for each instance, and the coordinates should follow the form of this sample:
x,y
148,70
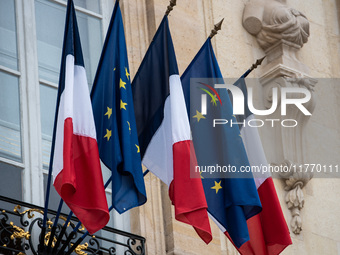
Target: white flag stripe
x,y
76,105
158,157
83,120
255,153
217,223
179,118
174,128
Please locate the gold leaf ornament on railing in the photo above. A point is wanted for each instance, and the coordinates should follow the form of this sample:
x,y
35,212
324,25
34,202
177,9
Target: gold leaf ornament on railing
x,y
47,239
19,232
80,248
29,211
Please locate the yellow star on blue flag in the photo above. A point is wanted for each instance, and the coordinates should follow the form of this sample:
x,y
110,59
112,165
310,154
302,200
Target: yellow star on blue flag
x,y
122,105
109,112
198,116
127,73
217,186
122,84
108,134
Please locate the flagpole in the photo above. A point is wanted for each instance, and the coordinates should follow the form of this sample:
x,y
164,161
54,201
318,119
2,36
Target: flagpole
x,y
54,227
61,251
62,232
254,66
170,7
49,179
216,28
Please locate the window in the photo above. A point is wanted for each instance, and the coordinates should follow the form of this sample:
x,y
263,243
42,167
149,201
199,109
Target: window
x,y
48,98
50,16
10,181
10,136
8,38
31,38
10,139
89,5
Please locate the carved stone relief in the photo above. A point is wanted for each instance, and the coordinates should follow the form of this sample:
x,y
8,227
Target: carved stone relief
x,y
294,183
281,32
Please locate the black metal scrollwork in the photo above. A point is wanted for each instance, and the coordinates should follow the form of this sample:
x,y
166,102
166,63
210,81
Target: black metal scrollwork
x,y
21,224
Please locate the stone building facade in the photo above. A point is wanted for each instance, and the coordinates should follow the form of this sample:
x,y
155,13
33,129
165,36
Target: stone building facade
x,y
301,42
306,49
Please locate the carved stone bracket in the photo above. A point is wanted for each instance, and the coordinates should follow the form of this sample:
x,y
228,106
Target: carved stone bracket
x,y
289,142
295,180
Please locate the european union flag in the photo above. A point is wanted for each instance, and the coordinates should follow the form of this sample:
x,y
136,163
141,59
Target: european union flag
x,y
115,119
231,200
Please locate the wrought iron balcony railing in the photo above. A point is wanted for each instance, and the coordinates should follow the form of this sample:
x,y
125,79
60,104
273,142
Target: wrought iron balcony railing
x,y
20,230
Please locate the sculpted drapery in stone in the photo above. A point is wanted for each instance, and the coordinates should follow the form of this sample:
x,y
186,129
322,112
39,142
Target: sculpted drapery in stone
x,y
271,21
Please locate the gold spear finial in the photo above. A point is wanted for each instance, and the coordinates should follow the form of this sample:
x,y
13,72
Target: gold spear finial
x,y
217,27
170,7
257,63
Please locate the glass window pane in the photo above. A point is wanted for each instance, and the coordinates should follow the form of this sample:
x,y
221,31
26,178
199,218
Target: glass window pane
x,y
10,181
51,17
89,5
91,42
48,98
8,38
10,138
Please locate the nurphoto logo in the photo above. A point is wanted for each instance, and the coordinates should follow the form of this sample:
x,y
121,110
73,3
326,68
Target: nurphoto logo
x,y
243,104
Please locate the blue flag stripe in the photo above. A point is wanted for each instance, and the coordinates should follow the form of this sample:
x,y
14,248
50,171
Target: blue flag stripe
x,y
150,90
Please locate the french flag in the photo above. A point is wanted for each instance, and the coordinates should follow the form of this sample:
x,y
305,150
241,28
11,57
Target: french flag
x,y
164,131
268,231
75,159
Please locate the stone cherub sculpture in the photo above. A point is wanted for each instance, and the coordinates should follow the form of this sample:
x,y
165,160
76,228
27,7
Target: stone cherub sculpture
x,y
271,21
